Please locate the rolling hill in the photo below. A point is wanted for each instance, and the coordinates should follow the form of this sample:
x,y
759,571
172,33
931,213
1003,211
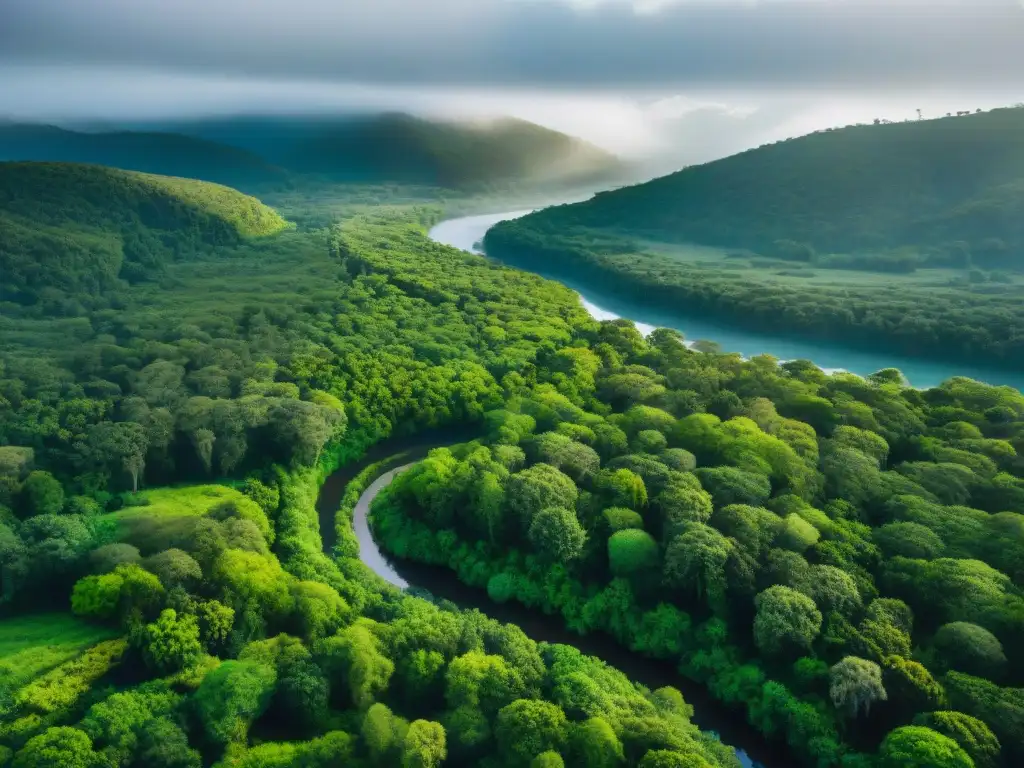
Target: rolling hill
x,y
81,228
403,148
149,152
905,237
946,184
253,152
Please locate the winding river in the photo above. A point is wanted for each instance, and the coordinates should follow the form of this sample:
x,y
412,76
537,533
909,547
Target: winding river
x,y
467,232
709,715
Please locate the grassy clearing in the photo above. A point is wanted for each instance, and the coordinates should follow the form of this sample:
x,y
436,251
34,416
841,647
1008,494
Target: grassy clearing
x,y
185,500
170,514
32,645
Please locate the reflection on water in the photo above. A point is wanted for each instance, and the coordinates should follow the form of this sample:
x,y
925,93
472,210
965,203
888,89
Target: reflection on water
x,y
369,552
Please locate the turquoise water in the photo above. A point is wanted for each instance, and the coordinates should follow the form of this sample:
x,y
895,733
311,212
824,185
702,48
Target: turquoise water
x,y
468,231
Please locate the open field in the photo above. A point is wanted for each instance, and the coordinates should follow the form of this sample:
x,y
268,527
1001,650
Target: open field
x,y
32,644
169,515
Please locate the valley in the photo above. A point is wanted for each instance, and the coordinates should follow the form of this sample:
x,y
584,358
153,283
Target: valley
x,y
792,536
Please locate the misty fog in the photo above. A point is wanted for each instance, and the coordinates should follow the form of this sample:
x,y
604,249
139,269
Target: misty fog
x,y
671,82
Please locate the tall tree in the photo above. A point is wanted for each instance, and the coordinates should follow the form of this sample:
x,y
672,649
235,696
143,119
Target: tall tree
x,y
124,442
786,620
855,684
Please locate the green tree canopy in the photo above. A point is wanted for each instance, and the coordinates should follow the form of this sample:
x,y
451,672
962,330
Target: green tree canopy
x,y
632,552
785,620
232,696
915,746
557,535
855,684
973,736
424,745
171,642
64,747
43,494
969,648
527,727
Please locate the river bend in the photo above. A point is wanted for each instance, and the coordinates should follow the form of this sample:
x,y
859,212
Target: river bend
x,y
709,714
467,232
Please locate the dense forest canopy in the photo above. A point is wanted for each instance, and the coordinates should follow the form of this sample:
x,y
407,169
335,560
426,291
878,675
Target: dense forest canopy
x,y
58,193
208,625
902,236
840,560
415,342
72,232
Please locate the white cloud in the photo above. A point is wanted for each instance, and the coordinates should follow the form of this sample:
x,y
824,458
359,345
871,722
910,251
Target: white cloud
x,y
678,106
538,43
667,129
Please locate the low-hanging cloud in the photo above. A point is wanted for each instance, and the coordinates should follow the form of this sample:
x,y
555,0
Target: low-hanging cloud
x,y
670,81
537,43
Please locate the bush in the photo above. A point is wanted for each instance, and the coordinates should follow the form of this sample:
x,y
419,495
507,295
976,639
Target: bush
x,y
969,648
631,552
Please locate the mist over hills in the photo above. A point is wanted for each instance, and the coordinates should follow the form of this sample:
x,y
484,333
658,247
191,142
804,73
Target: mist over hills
x,y
253,150
401,147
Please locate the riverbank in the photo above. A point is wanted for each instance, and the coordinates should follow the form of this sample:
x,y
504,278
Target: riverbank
x,y
544,593
377,459
377,470
467,232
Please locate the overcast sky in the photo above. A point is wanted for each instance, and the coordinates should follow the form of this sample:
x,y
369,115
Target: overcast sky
x,y
630,74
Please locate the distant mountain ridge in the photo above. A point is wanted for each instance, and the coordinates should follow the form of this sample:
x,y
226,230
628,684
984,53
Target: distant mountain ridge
x,y
954,182
147,152
248,151
403,148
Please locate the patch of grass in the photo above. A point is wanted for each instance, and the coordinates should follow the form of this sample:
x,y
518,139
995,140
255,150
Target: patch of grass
x,y
190,500
170,515
32,645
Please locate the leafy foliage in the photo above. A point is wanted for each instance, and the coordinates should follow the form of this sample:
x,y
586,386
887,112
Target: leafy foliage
x,y
804,572
78,228
735,518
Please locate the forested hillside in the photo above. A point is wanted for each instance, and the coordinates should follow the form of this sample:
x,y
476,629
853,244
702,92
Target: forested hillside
x,y
150,152
905,236
72,232
212,628
934,183
399,147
